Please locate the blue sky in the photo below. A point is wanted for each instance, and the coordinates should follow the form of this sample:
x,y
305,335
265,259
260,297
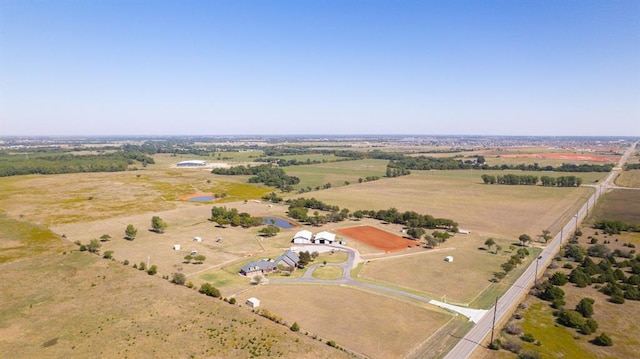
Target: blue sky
x,y
319,67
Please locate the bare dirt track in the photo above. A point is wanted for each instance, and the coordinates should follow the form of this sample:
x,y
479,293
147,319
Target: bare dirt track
x,y
378,238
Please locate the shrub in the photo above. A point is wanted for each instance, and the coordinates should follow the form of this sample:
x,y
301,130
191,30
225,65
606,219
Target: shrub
x,y
232,300
585,307
528,337
332,344
295,327
568,266
559,279
107,254
603,340
178,278
513,345
495,345
617,298
529,355
513,329
571,318
589,327
209,290
152,270
126,262
83,248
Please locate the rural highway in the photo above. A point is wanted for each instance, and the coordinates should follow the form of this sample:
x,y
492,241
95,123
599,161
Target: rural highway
x,y
520,288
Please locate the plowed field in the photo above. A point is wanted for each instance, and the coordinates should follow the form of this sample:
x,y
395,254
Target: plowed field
x,y
378,238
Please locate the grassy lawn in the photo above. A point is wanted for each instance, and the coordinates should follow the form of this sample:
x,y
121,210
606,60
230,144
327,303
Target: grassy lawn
x,y
327,272
336,173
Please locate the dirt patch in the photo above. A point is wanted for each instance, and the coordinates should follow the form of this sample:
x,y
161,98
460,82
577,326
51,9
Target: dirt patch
x,y
378,238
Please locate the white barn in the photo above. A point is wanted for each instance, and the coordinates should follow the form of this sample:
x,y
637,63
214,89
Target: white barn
x,y
302,237
176,247
448,259
192,163
324,238
253,302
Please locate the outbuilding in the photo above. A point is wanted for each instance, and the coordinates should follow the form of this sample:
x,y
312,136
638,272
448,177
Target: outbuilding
x,y
302,237
253,302
197,239
448,259
176,247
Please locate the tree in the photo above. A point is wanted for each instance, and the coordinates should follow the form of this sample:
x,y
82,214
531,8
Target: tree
x,y
559,279
489,243
546,235
295,327
179,278
188,258
152,270
269,231
208,289
603,340
585,307
94,246
130,232
105,238
498,248
415,232
524,238
158,225
199,258
432,242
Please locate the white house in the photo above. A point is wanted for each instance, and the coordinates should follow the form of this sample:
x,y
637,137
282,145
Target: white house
x,y
176,247
324,238
253,302
448,259
302,237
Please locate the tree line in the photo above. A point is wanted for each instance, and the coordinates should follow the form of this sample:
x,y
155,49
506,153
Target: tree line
x,y
57,163
547,181
224,217
267,174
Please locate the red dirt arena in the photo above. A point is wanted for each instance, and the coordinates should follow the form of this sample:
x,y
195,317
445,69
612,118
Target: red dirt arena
x,y
378,238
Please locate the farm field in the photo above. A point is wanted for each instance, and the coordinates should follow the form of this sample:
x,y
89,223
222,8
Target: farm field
x,y
629,179
64,303
621,204
490,210
86,206
357,320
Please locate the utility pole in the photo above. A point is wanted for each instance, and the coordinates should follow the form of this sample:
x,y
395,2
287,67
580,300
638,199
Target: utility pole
x,y
535,279
493,325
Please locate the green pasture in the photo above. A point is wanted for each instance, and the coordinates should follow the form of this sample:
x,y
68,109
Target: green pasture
x,y
337,173
19,239
327,272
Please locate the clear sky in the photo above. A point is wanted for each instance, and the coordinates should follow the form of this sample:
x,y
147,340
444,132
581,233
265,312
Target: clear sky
x,y
482,67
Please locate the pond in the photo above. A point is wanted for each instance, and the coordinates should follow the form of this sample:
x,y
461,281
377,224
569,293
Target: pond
x,y
202,198
279,222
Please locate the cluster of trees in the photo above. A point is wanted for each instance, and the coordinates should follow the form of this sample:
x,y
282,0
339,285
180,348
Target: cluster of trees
x,y
581,317
397,172
272,197
617,284
158,225
224,217
267,174
510,179
299,210
56,163
512,263
562,181
269,231
409,219
610,226
547,181
632,166
195,259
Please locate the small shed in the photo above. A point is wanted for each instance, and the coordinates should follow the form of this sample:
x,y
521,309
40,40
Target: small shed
x,y
197,239
176,247
253,302
448,259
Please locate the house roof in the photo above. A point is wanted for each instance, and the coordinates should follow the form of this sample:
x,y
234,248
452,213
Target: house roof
x,y
290,258
304,234
261,265
326,236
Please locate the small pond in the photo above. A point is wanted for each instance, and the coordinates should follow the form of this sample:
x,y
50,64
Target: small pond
x,y
202,198
279,222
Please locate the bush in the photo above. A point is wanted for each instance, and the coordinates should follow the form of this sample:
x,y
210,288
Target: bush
x,y
295,327
209,290
571,319
568,266
232,300
126,262
528,337
529,355
513,329
178,278
107,254
603,340
559,279
83,248
332,344
513,345
495,345
589,327
152,270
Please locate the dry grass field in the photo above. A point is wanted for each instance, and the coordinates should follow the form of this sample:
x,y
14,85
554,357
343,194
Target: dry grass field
x,y
629,179
471,270
376,326
491,210
61,303
86,206
621,204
